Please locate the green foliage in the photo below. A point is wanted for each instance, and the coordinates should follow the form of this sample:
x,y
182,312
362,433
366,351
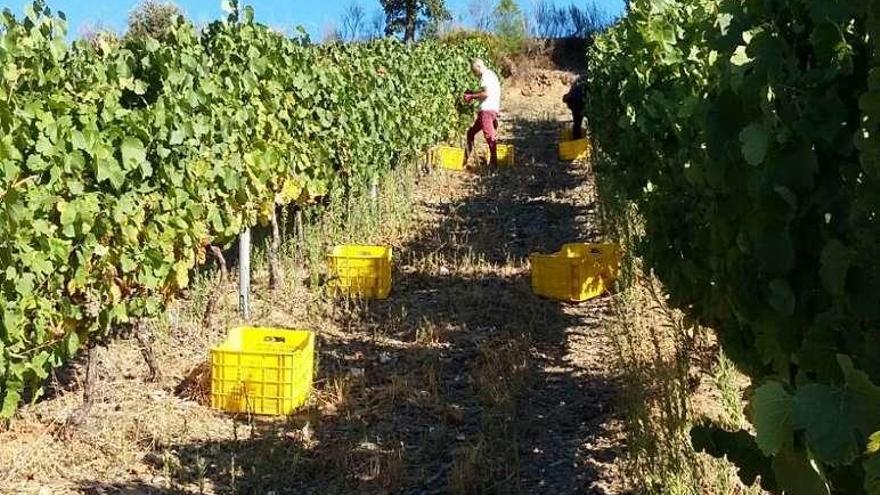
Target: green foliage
x,y
746,134
119,164
510,25
408,16
153,18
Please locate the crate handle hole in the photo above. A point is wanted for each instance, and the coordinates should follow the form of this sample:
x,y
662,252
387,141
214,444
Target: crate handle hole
x,y
271,338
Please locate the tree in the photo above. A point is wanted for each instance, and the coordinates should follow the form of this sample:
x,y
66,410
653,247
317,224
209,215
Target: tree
x,y
549,21
98,32
353,22
586,21
407,16
152,18
510,25
376,27
481,14
331,33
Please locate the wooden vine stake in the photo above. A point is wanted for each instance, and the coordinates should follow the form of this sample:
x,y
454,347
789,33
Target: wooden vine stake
x,y
78,417
244,274
300,234
145,342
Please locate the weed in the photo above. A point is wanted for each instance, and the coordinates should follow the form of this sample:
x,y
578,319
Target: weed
x,y
726,378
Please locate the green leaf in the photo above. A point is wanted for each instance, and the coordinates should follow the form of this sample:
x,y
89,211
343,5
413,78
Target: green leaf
x,y
11,400
871,465
177,136
72,344
835,264
754,141
863,394
109,170
78,141
782,298
772,409
775,252
25,284
796,474
723,23
68,213
36,163
827,417
135,156
739,57
873,444
38,365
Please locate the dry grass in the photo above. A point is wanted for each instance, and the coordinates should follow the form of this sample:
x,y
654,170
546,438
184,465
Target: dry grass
x,y
673,375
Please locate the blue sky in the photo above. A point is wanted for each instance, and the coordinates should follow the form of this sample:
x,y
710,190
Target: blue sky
x,y
285,15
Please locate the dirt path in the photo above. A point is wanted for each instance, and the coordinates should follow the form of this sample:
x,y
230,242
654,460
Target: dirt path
x,y
462,382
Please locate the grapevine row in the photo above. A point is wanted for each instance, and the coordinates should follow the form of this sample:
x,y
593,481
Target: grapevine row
x,y
746,134
121,161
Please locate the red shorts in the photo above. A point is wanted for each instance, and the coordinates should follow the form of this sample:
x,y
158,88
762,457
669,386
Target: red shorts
x,y
487,122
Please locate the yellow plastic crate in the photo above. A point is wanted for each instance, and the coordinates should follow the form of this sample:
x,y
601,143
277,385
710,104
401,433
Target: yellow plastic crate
x,y
578,272
506,155
449,157
572,149
265,371
608,257
363,271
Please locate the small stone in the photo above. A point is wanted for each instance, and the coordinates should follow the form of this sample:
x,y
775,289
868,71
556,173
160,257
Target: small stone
x,y
158,395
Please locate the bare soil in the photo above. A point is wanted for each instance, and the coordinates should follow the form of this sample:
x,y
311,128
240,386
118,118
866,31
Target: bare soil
x,y
462,382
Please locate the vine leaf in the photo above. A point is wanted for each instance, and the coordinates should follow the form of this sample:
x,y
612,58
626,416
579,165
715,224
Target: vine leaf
x,y
864,395
135,156
10,402
754,141
827,417
871,465
782,297
109,170
772,408
873,444
797,475
835,265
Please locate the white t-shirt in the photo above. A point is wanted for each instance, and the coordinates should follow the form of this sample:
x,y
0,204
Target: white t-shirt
x,y
492,86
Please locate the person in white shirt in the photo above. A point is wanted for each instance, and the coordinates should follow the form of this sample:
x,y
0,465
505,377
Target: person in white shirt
x,y
489,96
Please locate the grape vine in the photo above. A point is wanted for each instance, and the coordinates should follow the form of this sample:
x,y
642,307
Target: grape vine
x,y
746,134
121,161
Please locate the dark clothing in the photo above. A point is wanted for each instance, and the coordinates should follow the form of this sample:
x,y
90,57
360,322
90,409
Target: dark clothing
x,y
575,99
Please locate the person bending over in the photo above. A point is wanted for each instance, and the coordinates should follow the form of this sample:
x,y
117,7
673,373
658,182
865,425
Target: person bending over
x,y
489,96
